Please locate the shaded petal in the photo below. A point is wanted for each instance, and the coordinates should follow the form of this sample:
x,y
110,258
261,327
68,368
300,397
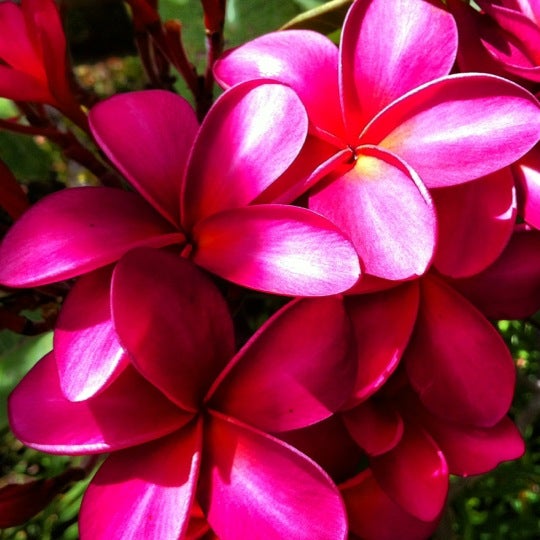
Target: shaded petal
x,y
22,86
288,376
382,324
12,197
527,176
384,207
87,351
483,122
148,136
146,491
487,213
419,45
375,427
456,361
174,323
109,421
304,60
375,516
248,139
251,481
510,287
78,230
414,474
279,249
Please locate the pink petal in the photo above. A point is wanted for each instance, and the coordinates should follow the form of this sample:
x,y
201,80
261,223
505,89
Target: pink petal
x,y
510,287
304,60
144,492
22,86
12,197
456,361
375,427
127,413
382,324
78,230
374,516
419,45
414,474
384,207
288,376
251,481
527,175
279,249
249,138
482,121
487,213
87,351
148,136
174,323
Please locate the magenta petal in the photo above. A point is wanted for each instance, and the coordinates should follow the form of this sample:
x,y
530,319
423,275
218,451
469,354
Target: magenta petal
x,y
382,324
22,86
527,176
375,516
482,121
304,60
289,376
128,412
248,139
414,474
456,361
251,481
86,228
487,213
375,427
419,45
86,347
384,207
144,492
510,287
279,249
148,136
173,321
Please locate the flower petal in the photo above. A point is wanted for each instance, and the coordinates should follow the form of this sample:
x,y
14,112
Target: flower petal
x,y
146,491
487,213
384,207
287,376
78,230
527,176
510,287
148,136
382,324
127,413
414,474
304,60
375,516
375,427
174,323
87,351
248,139
254,482
21,86
456,361
279,249
482,121
419,45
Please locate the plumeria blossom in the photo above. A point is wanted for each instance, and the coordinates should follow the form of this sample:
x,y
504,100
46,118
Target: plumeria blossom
x,y
503,38
194,194
33,56
388,124
189,420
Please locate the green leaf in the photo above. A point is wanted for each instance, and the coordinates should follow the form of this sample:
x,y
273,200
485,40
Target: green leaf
x,y
325,19
17,356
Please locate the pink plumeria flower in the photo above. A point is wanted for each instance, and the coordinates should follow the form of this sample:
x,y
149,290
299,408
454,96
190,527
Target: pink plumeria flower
x,y
33,56
189,419
197,188
388,124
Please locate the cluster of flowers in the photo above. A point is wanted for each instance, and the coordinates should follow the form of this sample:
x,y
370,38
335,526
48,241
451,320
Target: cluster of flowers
x,y
396,204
